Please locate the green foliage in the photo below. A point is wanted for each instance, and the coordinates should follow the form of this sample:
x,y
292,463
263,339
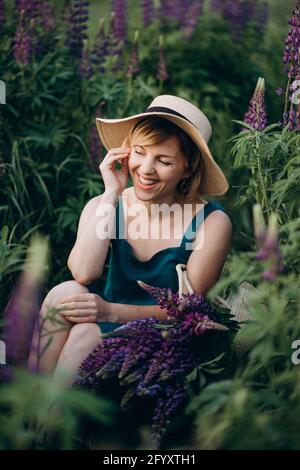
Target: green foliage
x,y
37,413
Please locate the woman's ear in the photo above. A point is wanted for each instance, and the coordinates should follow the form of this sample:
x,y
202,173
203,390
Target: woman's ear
x,y
188,170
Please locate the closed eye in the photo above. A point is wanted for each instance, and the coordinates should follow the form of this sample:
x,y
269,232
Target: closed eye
x,y
164,163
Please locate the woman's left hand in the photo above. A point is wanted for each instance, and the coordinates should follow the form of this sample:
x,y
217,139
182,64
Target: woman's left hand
x,y
84,308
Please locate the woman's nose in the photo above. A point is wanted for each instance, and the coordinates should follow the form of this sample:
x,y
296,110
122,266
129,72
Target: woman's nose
x,y
147,166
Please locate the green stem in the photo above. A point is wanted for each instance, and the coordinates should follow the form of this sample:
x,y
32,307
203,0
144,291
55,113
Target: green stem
x,y
129,90
262,181
286,94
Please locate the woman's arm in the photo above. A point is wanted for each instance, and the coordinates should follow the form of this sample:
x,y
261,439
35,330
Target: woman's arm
x,y
122,313
88,255
212,244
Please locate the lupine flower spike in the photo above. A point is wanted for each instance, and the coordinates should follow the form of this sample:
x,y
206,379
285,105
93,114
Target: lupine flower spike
x,y
133,65
291,61
22,309
99,51
78,18
256,114
22,47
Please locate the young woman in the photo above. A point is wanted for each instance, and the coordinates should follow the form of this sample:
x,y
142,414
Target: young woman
x,y
166,154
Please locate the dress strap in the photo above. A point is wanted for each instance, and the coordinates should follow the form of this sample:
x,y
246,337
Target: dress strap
x,y
191,231
120,219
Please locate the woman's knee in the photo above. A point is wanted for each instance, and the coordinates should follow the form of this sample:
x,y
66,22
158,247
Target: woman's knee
x,y
55,295
64,289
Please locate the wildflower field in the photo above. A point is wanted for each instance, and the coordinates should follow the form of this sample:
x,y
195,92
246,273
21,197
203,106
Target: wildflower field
x,y
221,372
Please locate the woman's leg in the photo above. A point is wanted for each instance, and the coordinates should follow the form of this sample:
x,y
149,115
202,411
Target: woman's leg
x,y
55,328
83,338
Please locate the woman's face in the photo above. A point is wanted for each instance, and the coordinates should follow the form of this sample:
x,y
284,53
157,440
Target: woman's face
x,y
156,169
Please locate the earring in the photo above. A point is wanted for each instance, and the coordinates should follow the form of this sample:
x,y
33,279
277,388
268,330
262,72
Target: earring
x,y
183,186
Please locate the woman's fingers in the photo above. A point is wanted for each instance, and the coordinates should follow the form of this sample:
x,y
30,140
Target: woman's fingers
x,y
91,319
76,305
78,313
115,154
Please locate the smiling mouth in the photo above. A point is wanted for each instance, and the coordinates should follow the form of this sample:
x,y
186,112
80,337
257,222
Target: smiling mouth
x,y
146,182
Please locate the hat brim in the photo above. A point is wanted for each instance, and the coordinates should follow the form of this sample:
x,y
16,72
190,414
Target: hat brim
x,y
112,133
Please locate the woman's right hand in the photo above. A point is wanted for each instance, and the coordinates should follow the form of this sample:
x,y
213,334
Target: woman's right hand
x,y
115,180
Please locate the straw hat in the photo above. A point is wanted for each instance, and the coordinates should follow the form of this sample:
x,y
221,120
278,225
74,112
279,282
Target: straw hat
x,y
185,115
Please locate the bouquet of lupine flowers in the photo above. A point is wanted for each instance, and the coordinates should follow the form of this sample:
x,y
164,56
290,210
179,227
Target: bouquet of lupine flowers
x,y
157,358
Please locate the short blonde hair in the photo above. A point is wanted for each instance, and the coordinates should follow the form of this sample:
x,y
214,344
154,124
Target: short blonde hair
x,y
153,130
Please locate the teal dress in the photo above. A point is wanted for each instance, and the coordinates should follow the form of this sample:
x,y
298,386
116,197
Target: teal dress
x,y
160,270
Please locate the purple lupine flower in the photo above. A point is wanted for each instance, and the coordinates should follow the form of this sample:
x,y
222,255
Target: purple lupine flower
x,y
162,72
22,310
167,8
239,13
85,69
291,65
46,17
268,245
190,18
37,19
115,46
256,114
133,64
233,13
77,27
94,143
22,43
99,50
153,358
40,11
292,43
261,17
148,12
164,409
180,7
119,7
